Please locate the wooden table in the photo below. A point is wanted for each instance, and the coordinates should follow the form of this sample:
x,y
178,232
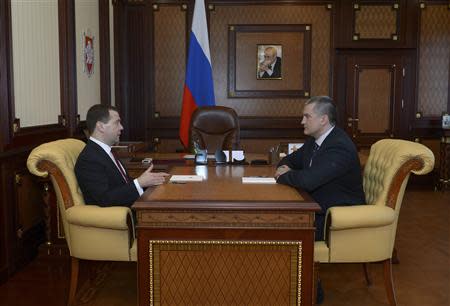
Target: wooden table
x,y
221,242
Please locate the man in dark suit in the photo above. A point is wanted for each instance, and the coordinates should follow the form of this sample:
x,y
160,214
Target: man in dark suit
x,y
327,166
102,178
270,68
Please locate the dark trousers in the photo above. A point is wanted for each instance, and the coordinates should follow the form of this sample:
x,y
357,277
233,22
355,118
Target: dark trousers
x,y
319,223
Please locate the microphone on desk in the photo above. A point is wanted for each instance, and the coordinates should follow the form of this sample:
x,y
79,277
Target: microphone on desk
x,y
201,158
220,156
201,155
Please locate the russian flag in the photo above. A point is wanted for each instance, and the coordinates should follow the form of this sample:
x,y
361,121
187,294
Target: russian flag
x,y
198,87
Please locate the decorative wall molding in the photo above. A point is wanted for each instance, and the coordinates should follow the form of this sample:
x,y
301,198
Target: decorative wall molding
x,y
376,21
6,99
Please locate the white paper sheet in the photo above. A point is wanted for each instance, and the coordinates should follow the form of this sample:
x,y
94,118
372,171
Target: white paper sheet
x,y
235,155
186,178
258,180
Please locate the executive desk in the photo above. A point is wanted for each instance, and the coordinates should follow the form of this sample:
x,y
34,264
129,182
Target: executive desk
x,y
221,242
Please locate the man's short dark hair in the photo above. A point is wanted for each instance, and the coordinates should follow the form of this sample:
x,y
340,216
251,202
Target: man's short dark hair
x,y
324,105
98,112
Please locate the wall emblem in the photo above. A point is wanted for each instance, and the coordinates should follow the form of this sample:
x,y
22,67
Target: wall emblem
x,y
88,53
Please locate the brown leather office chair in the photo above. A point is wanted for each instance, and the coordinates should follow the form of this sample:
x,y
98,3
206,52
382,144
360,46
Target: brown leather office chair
x,y
213,128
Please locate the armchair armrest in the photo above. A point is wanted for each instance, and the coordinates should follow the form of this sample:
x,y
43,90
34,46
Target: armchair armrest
x,y
346,217
100,217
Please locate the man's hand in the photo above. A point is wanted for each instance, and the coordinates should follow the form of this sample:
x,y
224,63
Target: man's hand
x,y
149,178
281,170
263,66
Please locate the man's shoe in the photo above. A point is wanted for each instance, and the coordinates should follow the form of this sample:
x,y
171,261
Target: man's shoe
x,y
320,294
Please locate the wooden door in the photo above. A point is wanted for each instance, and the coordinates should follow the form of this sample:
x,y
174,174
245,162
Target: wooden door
x,y
374,97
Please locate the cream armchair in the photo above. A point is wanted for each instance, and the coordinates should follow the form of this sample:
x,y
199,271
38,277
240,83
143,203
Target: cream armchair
x,y
91,232
366,233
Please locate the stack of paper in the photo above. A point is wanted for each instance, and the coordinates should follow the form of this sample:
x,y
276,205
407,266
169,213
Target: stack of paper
x,y
186,178
258,180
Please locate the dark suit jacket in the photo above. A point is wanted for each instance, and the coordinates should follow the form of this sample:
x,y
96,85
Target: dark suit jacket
x,y
276,70
100,179
334,177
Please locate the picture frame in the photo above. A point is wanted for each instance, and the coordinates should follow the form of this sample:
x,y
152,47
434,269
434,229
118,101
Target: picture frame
x,y
269,59
445,121
295,42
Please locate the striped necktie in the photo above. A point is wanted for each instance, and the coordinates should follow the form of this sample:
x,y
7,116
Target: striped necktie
x,y
122,172
314,151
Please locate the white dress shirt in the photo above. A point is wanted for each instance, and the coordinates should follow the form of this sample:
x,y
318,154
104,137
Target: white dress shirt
x,y
322,137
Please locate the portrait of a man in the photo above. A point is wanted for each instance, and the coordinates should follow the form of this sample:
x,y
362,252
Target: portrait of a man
x,y
269,62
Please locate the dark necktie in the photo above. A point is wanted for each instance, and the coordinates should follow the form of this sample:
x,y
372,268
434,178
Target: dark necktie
x,y
314,151
122,172
270,67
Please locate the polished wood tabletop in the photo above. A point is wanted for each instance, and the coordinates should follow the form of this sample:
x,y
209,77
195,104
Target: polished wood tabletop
x,y
223,186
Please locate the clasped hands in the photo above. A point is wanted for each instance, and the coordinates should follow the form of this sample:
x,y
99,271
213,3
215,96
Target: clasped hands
x,y
149,178
264,66
281,170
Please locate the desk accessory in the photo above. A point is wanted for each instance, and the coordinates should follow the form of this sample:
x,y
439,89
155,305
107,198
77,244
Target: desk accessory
x,y
220,157
201,157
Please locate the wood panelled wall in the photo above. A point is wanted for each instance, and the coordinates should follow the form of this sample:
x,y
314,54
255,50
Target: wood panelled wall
x,y
384,61
21,206
376,36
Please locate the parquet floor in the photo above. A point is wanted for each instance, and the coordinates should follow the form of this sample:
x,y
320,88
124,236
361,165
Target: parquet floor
x,y
421,279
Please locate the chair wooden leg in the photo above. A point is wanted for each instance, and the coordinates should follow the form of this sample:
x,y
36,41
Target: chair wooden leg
x,y
395,259
74,269
367,273
315,280
389,282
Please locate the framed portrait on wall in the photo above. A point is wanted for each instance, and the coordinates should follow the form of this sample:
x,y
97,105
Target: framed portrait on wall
x,y
445,121
269,62
281,66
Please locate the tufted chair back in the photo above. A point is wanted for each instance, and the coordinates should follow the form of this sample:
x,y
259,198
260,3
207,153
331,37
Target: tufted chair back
x,y
387,171
213,128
